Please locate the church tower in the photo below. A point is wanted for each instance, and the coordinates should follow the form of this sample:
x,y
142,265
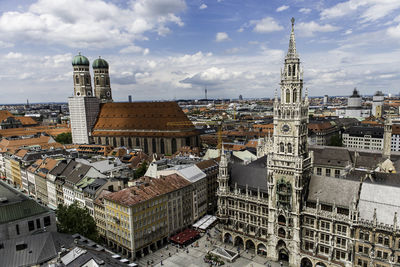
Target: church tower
x,y
81,73
83,106
289,163
102,88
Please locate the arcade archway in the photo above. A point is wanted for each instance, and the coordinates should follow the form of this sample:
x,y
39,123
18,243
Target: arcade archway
x,y
239,242
250,246
228,238
262,249
305,262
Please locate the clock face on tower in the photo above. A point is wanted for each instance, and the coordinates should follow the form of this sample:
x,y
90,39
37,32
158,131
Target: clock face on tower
x,y
285,128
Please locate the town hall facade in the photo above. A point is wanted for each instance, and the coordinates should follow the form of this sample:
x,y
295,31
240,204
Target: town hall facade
x,y
277,207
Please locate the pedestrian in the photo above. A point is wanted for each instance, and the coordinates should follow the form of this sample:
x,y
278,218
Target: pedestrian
x,y
169,254
161,263
281,263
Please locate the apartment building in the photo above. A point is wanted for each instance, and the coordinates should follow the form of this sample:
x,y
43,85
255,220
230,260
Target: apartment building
x,y
137,218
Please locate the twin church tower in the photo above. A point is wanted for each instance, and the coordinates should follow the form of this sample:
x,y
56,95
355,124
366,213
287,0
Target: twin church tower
x,y
84,105
82,79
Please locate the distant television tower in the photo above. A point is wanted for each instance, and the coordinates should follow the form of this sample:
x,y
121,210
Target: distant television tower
x,y
205,92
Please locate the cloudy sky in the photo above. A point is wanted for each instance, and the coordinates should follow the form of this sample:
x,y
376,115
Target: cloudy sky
x,y
173,49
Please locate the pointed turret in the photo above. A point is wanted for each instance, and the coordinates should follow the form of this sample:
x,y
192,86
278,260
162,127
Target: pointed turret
x,y
292,44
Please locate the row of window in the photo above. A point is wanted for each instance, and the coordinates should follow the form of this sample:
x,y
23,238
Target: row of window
x,y
326,226
328,172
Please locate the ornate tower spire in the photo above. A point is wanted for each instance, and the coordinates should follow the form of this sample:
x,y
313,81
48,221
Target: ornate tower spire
x,y
292,43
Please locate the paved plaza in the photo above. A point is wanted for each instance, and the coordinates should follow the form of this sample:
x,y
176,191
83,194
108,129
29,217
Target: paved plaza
x,y
193,256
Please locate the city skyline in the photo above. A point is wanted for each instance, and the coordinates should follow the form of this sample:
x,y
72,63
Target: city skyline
x,y
161,50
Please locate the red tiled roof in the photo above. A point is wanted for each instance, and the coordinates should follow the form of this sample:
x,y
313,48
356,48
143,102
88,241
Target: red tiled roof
x,y
150,188
27,120
4,114
142,118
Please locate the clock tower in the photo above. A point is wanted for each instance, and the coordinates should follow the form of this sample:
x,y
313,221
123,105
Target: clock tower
x,y
289,162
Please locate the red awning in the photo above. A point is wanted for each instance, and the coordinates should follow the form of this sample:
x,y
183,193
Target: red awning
x,y
185,236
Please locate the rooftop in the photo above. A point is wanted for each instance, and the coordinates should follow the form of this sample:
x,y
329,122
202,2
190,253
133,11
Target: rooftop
x,y
15,206
330,190
148,188
133,118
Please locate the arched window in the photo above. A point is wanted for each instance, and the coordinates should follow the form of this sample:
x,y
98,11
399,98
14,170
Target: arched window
x,y
153,145
289,70
87,80
281,232
108,81
114,141
174,147
97,81
107,142
287,96
289,148
122,141
187,141
294,70
77,79
281,219
294,95
162,148
281,147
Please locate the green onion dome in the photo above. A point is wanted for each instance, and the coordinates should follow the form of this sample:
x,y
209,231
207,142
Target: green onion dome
x,y
80,60
100,64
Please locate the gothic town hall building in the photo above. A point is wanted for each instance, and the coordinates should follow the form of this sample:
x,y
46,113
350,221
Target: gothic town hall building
x,y
276,207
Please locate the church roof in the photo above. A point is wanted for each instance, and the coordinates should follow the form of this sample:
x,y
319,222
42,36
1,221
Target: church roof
x,y
144,119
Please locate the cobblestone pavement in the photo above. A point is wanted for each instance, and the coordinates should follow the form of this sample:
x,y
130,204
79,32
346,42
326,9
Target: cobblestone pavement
x,y
193,256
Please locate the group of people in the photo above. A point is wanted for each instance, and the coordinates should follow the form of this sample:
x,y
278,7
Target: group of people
x,y
211,262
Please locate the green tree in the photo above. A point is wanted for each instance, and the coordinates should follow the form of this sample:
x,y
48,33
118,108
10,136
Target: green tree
x,y
64,138
141,170
73,219
336,140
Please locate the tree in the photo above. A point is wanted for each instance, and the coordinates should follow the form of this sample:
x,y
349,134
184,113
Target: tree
x,y
64,138
141,170
73,219
336,140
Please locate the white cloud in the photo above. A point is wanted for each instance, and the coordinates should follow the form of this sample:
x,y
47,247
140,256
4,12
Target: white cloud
x,y
305,10
203,6
265,25
349,31
309,28
12,55
282,8
232,50
133,49
370,10
90,23
394,31
221,36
